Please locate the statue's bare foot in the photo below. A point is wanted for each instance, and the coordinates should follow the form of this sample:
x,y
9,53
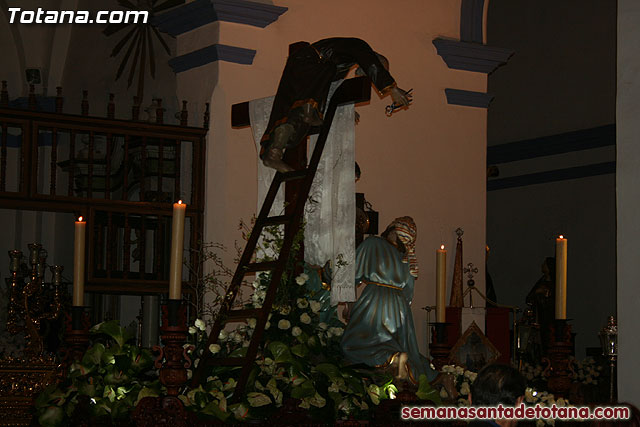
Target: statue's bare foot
x,y
403,370
273,159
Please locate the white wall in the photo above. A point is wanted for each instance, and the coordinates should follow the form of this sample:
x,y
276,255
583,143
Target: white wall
x,y
628,196
427,162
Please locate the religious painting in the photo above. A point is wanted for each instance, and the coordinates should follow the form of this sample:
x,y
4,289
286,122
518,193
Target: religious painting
x,y
473,350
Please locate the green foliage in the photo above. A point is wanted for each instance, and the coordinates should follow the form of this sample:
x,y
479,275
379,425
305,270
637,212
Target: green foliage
x,y
113,374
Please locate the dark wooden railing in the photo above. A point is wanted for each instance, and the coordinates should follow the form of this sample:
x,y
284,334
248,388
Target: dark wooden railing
x,y
123,176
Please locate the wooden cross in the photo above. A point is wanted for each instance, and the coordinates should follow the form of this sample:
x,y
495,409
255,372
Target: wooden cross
x,y
358,89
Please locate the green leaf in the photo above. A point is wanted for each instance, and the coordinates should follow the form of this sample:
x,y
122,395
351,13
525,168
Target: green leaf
x,y
280,352
93,356
329,370
256,399
213,408
306,389
426,392
300,350
374,393
113,329
51,417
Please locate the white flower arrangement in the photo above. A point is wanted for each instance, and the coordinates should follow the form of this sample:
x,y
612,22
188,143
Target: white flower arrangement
x,y
284,324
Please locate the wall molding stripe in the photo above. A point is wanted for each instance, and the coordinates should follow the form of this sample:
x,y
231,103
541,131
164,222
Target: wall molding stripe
x,y
212,53
468,98
552,176
201,12
584,139
471,20
461,55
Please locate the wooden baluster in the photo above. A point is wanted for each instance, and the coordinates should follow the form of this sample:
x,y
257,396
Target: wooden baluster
x,y
206,116
143,167
184,114
126,263
59,100
160,169
4,95
142,248
3,159
111,107
84,106
90,171
54,161
159,112
98,243
135,109
72,161
107,178
109,244
157,246
33,105
176,171
125,177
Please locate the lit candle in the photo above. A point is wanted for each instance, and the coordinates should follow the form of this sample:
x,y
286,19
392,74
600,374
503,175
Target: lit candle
x,y
78,263
177,245
561,278
441,289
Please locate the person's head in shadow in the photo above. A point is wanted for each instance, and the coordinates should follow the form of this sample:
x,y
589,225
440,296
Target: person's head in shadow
x,y
497,384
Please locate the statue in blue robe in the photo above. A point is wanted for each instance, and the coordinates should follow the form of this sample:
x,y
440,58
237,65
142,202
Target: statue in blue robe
x,y
380,330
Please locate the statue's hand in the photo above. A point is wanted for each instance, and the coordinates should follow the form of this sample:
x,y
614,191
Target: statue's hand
x,y
401,97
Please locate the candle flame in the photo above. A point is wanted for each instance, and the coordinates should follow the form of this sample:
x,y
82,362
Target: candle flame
x,y
179,202
442,247
79,219
561,236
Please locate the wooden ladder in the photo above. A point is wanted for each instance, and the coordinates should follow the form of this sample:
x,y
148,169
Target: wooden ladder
x,y
351,91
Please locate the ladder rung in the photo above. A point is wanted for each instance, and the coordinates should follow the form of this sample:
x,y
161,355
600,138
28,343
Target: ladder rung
x,y
243,314
227,361
261,266
290,176
277,220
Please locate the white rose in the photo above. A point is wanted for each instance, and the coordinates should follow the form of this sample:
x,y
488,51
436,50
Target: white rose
x,y
322,326
192,330
223,335
302,303
301,280
200,324
296,331
284,324
315,306
285,310
252,323
336,331
214,348
305,318
464,388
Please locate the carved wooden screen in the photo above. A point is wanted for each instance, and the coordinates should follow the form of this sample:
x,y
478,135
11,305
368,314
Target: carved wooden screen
x,y
123,176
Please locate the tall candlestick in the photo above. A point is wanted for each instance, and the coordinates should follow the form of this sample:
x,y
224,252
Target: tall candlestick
x,y
441,287
177,246
78,263
561,278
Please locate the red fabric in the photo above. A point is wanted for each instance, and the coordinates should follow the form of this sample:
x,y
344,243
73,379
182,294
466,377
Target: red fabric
x,y
453,317
497,331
